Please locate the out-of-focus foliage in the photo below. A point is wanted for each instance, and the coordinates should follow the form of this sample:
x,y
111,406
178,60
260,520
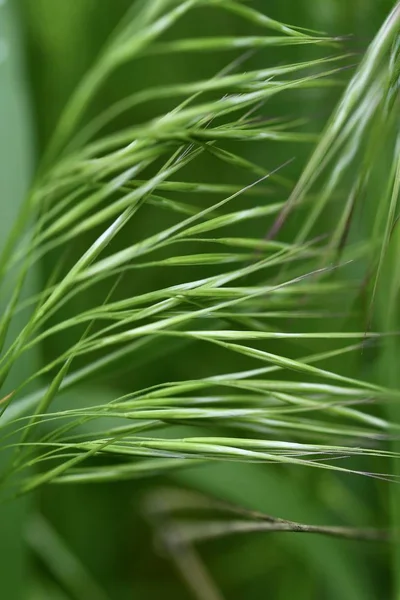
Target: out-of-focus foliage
x,y
16,166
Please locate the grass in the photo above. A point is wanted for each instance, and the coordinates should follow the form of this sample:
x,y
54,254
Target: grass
x,y
254,277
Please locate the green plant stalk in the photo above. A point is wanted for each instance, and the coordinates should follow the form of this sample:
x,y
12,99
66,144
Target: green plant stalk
x,y
388,312
15,171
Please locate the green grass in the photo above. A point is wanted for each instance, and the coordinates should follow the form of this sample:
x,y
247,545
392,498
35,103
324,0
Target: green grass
x,y
252,305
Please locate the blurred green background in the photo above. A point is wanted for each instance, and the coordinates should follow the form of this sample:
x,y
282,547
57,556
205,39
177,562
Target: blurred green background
x,y
45,47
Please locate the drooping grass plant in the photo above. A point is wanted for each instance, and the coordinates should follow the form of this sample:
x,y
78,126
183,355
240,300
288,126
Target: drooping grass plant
x,y
283,309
